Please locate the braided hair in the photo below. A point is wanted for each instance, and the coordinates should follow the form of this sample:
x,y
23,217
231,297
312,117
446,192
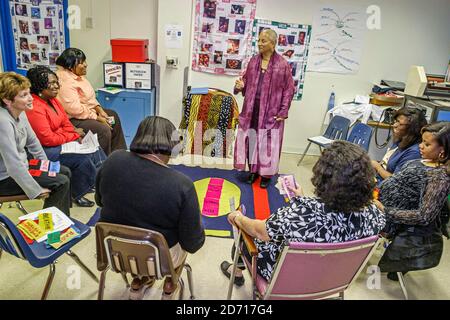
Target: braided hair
x,y
38,77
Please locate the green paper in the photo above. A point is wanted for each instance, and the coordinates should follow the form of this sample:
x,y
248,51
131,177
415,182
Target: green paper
x,y
54,237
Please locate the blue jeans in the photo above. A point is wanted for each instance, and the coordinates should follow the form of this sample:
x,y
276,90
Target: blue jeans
x,y
83,166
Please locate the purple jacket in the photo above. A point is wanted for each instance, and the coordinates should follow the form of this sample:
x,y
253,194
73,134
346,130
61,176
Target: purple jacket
x,y
276,93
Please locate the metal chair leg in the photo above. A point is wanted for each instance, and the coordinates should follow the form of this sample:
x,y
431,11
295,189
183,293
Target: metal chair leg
x,y
82,265
49,282
101,285
401,280
190,282
124,277
21,208
181,284
304,154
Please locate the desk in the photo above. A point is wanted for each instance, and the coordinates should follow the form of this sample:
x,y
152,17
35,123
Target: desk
x,y
379,124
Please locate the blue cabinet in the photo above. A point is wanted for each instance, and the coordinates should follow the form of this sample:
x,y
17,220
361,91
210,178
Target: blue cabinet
x,y
131,105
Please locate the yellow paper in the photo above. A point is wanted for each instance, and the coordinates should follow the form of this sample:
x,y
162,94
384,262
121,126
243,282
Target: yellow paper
x,y
46,221
31,229
66,237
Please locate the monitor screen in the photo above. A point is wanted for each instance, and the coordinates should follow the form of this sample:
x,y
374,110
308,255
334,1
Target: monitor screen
x,y
443,115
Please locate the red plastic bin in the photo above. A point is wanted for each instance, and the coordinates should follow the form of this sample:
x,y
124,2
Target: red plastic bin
x,y
129,50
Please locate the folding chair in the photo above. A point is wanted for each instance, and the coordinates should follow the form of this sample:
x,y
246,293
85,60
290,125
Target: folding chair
x,y
12,241
311,270
336,130
141,252
361,135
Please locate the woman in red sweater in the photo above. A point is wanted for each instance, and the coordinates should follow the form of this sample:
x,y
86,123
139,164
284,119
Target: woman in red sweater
x,y
53,129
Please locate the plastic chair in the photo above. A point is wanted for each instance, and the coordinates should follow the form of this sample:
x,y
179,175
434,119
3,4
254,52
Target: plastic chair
x,y
12,241
361,135
141,252
311,270
336,130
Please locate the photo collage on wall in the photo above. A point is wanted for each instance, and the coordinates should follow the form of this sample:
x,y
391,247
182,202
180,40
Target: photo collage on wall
x,y
223,33
38,28
293,45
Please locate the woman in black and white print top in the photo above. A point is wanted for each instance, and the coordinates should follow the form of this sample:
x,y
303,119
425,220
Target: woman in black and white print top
x,y
341,211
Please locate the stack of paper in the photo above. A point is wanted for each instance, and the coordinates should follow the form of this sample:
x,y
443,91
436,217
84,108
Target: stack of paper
x,y
59,220
285,184
89,144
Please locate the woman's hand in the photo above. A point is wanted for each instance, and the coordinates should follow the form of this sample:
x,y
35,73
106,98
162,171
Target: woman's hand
x,y
277,118
44,194
239,85
103,120
378,204
80,131
101,112
232,217
375,164
298,192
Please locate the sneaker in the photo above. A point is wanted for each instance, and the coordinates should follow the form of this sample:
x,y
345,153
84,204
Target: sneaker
x,y
264,182
139,287
224,266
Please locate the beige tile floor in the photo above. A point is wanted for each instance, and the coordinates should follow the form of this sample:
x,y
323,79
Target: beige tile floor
x,y
19,280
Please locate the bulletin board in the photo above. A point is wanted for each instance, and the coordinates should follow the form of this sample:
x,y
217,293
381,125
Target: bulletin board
x,y
33,33
293,45
223,33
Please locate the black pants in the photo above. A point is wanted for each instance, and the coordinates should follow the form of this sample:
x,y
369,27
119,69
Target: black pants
x,y
59,187
109,140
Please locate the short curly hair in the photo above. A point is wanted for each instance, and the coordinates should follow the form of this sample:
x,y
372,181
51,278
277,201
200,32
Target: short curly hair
x,y
38,77
344,178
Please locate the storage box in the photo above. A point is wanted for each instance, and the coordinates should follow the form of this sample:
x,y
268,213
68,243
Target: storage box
x,y
139,75
113,74
129,50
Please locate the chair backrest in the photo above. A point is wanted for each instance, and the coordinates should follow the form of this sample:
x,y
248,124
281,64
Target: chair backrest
x,y
338,128
133,250
361,135
318,270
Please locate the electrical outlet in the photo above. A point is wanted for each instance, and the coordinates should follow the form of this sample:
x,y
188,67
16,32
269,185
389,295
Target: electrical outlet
x,y
89,23
172,62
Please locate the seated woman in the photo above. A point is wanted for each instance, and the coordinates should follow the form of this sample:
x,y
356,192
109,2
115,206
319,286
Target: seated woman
x,y
53,129
16,138
344,183
413,200
407,125
78,99
150,194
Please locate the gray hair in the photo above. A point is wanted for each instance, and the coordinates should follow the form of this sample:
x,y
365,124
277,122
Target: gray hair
x,y
272,35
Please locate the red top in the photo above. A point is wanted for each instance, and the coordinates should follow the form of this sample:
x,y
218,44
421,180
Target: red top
x,y
52,128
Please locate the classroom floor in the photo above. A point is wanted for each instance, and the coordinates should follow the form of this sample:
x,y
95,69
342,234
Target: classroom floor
x,y
20,281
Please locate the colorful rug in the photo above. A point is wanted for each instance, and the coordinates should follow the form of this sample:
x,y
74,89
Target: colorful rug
x,y
215,188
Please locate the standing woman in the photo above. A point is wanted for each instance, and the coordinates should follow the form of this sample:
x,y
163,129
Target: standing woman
x,y
16,138
268,88
78,99
53,129
407,125
414,200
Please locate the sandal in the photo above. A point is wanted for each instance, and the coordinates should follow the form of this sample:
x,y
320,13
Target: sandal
x,y
224,266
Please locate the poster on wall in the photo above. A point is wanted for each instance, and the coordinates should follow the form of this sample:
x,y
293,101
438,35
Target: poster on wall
x,y
337,39
223,35
38,30
293,45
